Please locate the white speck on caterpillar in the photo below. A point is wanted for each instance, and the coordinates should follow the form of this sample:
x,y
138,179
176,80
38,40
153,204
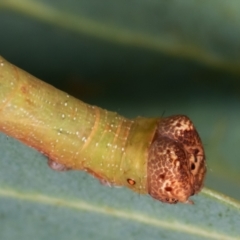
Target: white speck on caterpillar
x,y
63,116
65,104
96,144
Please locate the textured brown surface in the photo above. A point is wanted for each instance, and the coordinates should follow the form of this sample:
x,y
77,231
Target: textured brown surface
x,y
176,164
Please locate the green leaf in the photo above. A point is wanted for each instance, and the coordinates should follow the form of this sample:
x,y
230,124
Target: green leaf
x,y
137,58
38,203
206,31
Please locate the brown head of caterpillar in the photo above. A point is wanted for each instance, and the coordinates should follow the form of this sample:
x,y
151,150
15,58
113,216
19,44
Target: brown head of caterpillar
x,y
176,161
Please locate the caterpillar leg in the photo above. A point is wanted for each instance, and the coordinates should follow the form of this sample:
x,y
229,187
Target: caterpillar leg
x,y
101,179
106,183
57,166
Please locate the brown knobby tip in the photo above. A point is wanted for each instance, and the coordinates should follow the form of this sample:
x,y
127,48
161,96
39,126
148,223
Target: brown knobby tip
x,y
176,161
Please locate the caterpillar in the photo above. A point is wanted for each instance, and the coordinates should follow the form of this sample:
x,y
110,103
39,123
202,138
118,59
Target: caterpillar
x,y
162,157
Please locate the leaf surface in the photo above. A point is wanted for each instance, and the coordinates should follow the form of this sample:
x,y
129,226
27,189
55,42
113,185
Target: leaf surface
x,y
73,204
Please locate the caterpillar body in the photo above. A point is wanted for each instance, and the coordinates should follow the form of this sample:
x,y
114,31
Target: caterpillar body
x,y
163,157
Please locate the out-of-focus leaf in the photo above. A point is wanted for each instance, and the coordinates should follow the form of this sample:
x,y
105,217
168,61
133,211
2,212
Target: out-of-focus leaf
x,y
205,31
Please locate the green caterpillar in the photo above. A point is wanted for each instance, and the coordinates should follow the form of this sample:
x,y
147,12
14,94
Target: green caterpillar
x,y
163,157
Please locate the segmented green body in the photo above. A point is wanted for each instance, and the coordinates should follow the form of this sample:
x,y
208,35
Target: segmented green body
x,y
73,133
160,156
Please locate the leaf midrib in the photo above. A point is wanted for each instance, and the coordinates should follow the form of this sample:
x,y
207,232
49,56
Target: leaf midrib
x,y
123,214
